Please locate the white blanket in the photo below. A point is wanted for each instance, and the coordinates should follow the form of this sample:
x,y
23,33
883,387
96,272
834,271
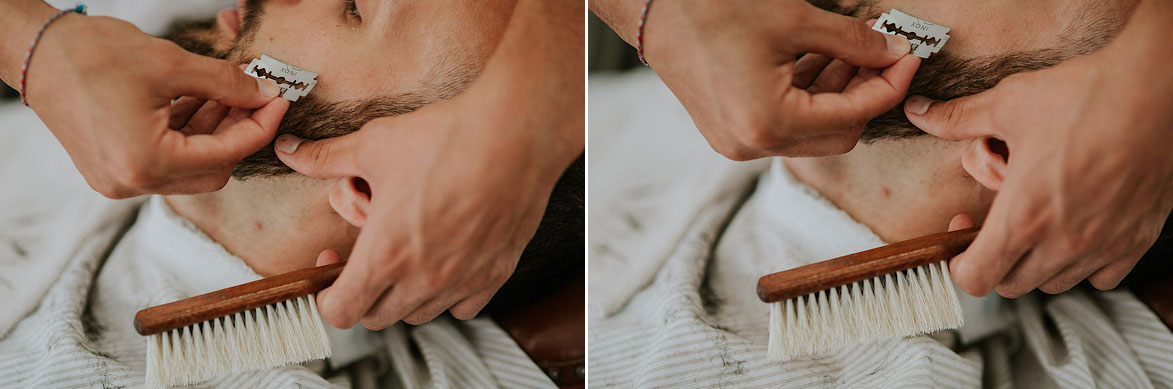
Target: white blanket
x,y
673,272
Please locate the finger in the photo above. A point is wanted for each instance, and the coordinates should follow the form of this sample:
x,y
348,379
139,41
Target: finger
x,y
218,80
328,257
1089,265
849,39
1043,263
472,305
355,291
203,182
960,222
861,76
861,103
993,253
807,68
226,146
433,308
182,110
1110,276
394,306
961,118
833,78
326,158
207,118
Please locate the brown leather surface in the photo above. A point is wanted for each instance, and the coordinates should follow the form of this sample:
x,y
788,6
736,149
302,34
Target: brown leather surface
x,y
552,331
1157,293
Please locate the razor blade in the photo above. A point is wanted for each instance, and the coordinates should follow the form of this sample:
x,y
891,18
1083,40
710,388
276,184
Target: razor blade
x,y
926,38
294,82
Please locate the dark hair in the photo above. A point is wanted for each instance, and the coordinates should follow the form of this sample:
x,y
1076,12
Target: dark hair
x,y
552,258
945,76
556,255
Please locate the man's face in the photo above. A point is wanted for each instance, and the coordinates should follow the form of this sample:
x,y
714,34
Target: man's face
x,y
988,41
982,28
373,57
370,48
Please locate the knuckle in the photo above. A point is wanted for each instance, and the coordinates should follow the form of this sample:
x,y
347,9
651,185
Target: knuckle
x,y
336,318
134,175
843,144
970,285
954,113
417,318
373,324
1058,285
1011,291
109,190
858,34
1012,288
733,152
1107,281
464,313
759,135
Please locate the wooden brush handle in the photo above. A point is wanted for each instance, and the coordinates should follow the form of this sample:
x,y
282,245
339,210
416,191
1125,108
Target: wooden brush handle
x,y
804,280
240,298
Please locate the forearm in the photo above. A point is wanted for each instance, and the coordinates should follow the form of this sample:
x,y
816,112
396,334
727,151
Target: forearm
x,y
1140,55
621,15
535,77
19,20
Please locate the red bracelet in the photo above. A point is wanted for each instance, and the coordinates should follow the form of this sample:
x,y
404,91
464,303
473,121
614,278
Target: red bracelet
x,y
639,33
24,68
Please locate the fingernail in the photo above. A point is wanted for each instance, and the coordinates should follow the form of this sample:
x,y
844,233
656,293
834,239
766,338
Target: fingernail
x,y
897,44
268,88
288,143
918,104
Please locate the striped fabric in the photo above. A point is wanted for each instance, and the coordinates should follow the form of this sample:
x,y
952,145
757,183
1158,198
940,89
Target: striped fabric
x,y
81,335
699,324
674,266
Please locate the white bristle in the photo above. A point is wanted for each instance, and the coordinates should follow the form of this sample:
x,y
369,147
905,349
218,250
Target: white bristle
x,y
275,335
907,303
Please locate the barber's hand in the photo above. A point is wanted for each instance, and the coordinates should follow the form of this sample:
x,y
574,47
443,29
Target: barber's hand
x,y
1090,175
454,201
732,66
105,90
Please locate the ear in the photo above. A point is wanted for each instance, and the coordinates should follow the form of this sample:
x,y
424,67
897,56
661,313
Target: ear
x,y
985,159
351,198
229,21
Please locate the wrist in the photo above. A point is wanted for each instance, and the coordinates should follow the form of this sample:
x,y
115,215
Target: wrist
x,y
19,21
533,87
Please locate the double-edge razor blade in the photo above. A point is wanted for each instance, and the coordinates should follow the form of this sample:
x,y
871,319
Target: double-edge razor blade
x,y
926,38
294,82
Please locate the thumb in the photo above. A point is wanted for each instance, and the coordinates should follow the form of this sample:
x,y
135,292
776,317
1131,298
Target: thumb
x,y
961,118
850,40
220,81
326,158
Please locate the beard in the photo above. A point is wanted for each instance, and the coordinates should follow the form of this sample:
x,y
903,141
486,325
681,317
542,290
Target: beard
x,y
311,117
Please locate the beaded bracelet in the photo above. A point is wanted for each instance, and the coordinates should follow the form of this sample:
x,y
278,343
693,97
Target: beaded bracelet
x,y
639,33
24,68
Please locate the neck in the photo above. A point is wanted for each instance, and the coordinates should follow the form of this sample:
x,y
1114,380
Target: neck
x,y
274,224
900,189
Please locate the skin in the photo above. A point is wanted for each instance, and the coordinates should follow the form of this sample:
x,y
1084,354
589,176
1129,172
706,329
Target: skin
x,y
480,167
452,240
913,187
1096,181
114,124
1044,209
731,64
279,224
903,189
